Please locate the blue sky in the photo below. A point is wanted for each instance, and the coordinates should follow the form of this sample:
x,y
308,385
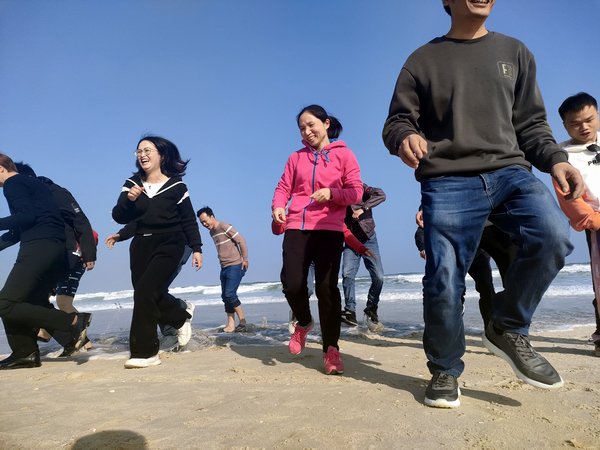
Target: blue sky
x,y
81,81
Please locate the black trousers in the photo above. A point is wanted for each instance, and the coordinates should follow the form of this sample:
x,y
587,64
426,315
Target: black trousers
x,y
153,260
481,272
24,305
324,248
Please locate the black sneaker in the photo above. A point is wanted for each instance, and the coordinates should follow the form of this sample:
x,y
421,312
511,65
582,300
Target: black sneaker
x,y
371,313
349,318
168,343
442,391
528,364
79,333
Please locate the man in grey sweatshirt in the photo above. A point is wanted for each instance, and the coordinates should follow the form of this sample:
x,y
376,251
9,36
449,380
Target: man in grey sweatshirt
x,y
468,116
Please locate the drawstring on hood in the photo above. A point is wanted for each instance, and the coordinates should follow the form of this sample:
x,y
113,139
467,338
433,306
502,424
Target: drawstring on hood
x,y
324,152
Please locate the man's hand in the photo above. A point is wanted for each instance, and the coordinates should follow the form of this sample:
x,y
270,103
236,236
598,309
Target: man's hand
x,y
245,265
110,241
89,265
419,219
197,260
356,214
412,149
569,179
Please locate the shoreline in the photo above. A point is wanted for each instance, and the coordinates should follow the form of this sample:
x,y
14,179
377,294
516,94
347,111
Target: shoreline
x,y
257,396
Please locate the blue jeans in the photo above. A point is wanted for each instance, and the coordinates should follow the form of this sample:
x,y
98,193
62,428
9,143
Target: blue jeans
x,y
455,210
231,277
350,266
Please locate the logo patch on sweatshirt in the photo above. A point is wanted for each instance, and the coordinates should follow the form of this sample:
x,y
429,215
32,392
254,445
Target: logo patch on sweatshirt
x,y
507,70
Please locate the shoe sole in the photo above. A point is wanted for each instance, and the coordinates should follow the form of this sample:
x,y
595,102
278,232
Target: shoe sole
x,y
135,366
443,403
375,326
334,372
499,352
349,323
184,338
81,340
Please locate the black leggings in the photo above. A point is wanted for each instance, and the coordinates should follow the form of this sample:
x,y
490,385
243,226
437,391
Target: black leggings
x,y
324,248
24,305
153,260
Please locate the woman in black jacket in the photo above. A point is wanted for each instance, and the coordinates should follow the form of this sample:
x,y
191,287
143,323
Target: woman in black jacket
x,y
157,199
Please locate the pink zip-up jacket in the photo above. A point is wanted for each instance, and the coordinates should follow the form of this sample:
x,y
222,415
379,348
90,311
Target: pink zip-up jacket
x,y
306,171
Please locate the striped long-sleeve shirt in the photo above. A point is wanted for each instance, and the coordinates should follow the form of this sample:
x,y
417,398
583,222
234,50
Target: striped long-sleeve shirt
x,y
231,246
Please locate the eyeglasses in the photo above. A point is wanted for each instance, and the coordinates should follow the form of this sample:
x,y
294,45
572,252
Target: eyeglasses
x,y
145,151
596,149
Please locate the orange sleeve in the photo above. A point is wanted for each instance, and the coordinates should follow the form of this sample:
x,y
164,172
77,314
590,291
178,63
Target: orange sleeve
x,y
581,215
351,240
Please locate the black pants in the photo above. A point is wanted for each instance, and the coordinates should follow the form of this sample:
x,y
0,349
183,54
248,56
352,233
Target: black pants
x,y
481,272
324,248
153,259
24,305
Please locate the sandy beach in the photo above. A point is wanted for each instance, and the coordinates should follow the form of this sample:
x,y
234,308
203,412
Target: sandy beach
x,y
255,397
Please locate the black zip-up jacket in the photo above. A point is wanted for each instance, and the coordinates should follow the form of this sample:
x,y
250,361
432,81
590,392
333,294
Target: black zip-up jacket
x,y
364,228
34,213
77,226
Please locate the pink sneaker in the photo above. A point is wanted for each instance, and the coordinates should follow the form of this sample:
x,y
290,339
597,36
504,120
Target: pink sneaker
x,y
298,340
333,361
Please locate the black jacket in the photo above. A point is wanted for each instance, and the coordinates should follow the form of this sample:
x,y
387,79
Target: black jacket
x,y
78,229
364,228
169,210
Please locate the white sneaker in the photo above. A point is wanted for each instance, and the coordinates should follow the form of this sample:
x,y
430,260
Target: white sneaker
x,y
292,323
184,334
140,363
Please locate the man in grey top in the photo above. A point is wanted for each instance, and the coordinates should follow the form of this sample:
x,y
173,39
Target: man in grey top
x,y
233,256
468,115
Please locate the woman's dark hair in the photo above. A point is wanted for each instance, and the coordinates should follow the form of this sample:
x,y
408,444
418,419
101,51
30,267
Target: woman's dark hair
x,y
335,127
447,9
7,163
171,163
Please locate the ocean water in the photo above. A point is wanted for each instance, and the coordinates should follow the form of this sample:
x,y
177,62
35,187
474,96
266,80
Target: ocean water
x,y
566,304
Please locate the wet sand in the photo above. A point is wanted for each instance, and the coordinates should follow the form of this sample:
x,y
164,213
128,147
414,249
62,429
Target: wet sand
x,y
254,397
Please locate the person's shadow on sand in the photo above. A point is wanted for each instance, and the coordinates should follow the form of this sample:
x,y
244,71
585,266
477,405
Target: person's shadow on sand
x,y
111,440
362,370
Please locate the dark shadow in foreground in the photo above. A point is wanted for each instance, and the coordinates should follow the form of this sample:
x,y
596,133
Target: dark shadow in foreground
x,y
111,440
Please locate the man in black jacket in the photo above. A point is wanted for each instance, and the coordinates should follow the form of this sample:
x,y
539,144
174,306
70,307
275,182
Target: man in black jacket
x,y
81,249
36,222
359,220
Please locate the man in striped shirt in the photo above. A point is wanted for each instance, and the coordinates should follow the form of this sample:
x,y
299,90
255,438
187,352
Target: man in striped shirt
x,y
233,256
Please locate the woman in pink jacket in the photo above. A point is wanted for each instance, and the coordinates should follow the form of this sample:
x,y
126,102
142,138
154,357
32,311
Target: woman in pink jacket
x,y
321,179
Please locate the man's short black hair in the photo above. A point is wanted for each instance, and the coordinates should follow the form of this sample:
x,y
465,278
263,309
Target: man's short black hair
x,y
207,210
25,169
576,103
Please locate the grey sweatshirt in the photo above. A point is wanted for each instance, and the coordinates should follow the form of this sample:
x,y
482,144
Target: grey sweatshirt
x,y
476,103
